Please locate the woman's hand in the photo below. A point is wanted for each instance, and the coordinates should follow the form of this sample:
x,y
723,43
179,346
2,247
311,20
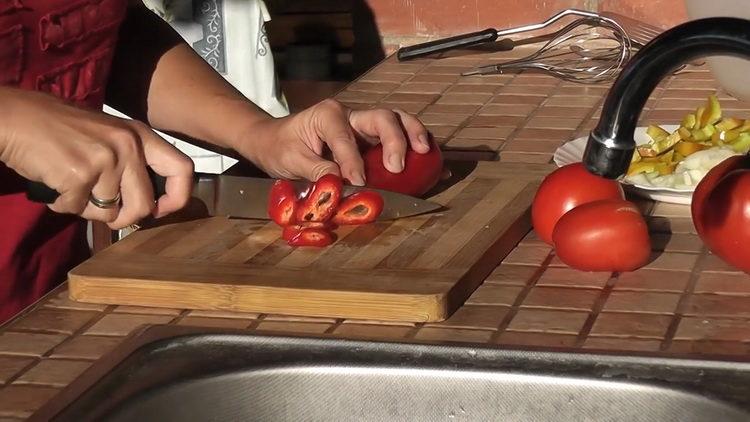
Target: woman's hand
x,y
293,147
84,155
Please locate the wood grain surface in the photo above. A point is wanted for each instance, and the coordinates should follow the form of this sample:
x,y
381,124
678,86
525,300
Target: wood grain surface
x,y
414,269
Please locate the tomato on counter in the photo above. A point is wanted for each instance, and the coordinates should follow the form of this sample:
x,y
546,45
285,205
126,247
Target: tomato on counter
x,y
421,171
721,211
607,235
564,189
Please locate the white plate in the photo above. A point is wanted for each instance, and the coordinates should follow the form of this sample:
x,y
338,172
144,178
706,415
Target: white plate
x,y
572,152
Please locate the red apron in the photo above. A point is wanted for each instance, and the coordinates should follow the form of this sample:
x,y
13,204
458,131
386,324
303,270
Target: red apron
x,y
63,47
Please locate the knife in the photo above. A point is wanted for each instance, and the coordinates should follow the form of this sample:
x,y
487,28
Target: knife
x,y
247,197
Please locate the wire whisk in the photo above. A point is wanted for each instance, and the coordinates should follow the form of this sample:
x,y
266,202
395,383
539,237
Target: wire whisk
x,y
591,49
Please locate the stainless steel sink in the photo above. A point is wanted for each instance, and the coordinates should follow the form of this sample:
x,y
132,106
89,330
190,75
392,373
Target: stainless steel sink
x,y
191,375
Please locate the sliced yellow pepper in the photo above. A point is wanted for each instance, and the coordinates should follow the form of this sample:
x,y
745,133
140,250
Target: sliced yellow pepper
x,y
742,144
656,133
699,117
728,123
712,114
689,121
685,134
687,148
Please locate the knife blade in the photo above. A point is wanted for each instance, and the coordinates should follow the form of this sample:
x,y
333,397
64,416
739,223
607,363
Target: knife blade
x,y
247,197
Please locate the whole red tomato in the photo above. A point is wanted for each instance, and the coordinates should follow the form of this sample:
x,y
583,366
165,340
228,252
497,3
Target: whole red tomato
x,y
564,189
609,235
721,211
421,171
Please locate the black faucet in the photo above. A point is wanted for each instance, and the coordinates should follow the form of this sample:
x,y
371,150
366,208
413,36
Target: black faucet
x,y
610,146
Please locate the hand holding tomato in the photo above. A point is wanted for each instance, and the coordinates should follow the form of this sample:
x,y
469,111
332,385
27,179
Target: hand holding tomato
x,y
721,211
564,189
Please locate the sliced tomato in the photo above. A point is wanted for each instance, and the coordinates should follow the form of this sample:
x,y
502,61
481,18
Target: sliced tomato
x,y
359,208
292,230
609,235
564,189
282,202
322,200
312,237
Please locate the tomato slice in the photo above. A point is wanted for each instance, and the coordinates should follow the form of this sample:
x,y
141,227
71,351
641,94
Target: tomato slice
x,y
359,208
282,202
322,200
312,237
292,230
608,235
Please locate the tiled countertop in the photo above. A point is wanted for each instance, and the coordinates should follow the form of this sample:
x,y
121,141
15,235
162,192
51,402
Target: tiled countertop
x,y
685,302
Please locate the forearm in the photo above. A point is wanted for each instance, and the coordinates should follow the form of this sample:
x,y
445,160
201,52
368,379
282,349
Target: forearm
x,y
158,78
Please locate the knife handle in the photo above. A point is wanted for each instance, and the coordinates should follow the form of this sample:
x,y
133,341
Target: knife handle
x,y
43,194
445,44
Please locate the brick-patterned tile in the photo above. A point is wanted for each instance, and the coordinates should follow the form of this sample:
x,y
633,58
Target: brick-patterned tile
x,y
12,365
474,144
370,331
494,294
534,79
531,146
717,305
222,314
670,225
518,99
561,298
582,90
685,94
123,309
692,328
510,274
672,261
294,327
411,108
507,110
553,123
124,324
676,242
713,263
63,301
423,87
215,322
568,277
21,400
653,280
297,318
86,347
464,98
442,119
487,79
33,344
54,320
528,255
495,121
725,284
710,347
485,132
538,90
441,131
548,321
432,78
437,68
382,77
53,372
520,338
455,109
379,87
622,344
645,302
472,88
572,101
544,134
408,97
453,335
649,12
360,97
630,325
475,317
567,112
525,157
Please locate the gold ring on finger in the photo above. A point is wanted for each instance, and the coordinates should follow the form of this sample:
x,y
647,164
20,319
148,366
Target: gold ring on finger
x,y
105,203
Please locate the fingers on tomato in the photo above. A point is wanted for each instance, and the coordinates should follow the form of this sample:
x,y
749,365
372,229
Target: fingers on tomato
x,y
608,235
312,237
564,189
359,208
420,174
322,200
282,202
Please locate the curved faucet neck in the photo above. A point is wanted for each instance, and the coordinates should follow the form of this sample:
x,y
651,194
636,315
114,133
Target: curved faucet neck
x,y
611,144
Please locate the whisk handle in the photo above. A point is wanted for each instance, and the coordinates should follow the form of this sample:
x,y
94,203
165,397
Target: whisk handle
x,y
445,44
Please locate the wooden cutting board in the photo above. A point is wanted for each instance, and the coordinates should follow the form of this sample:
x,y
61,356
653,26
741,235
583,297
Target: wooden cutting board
x,y
413,269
